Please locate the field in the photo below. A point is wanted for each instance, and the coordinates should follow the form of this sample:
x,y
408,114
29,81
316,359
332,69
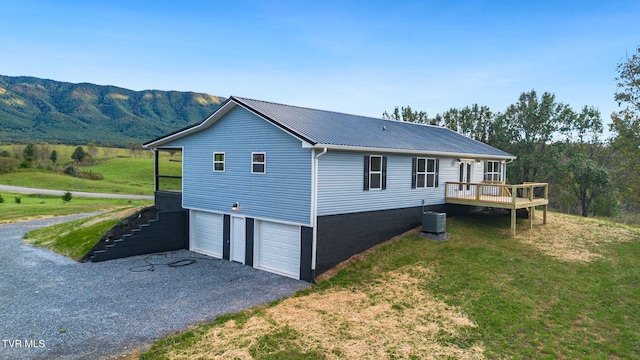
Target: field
x,y
124,171
566,290
34,206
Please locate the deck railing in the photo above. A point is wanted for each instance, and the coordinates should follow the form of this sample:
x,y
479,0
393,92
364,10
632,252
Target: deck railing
x,y
498,192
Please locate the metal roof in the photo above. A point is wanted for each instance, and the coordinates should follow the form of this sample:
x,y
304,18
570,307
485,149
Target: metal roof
x,y
320,128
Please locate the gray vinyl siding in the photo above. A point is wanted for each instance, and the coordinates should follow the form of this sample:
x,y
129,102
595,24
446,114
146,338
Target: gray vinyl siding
x,y
283,193
340,184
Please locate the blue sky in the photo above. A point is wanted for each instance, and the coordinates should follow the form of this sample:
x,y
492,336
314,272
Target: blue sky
x,y
360,57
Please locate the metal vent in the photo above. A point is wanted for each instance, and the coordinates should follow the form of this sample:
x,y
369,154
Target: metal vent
x,y
434,222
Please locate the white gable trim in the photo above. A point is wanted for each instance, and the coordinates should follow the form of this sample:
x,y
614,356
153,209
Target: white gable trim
x,y
212,119
206,123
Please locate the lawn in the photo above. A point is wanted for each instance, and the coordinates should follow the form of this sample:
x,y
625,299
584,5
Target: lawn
x,y
34,206
569,289
75,238
123,172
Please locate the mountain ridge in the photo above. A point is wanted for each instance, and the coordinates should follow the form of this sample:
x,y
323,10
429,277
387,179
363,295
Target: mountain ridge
x,y
34,110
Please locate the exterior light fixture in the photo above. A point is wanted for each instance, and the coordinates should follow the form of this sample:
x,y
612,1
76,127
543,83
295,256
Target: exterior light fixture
x,y
235,206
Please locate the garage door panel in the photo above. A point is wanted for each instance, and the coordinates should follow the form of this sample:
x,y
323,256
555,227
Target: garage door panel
x,y
278,248
206,234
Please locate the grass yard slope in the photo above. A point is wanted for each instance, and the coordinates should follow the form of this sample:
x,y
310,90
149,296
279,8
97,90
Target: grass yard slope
x,y
35,206
75,238
124,171
568,290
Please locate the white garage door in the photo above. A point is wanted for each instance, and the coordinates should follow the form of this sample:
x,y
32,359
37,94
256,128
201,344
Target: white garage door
x,y
206,233
278,248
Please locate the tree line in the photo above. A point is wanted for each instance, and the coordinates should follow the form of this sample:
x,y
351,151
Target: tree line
x,y
555,143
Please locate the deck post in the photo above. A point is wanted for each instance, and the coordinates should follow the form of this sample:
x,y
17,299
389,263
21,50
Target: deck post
x,y
513,222
531,215
544,217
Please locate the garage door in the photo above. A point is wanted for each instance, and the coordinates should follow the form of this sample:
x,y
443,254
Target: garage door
x,y
206,233
278,248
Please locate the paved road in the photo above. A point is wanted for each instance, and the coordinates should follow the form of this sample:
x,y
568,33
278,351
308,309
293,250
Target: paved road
x,y
21,189
54,308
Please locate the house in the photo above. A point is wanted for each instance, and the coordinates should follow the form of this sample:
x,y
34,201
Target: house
x,y
295,191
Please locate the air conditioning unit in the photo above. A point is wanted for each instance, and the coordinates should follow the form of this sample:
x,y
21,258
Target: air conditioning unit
x,y
434,222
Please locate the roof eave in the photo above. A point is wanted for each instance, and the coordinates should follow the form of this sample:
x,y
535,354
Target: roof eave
x,y
409,151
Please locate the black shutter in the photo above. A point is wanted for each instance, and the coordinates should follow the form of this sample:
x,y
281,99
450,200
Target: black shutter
x,y
437,170
366,172
384,172
414,169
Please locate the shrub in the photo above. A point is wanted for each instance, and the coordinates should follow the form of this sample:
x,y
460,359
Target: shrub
x,y
66,197
26,163
72,170
8,164
1,199
91,175
18,199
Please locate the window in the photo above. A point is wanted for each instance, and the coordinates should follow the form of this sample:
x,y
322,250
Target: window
x,y
425,173
218,162
258,163
375,172
492,170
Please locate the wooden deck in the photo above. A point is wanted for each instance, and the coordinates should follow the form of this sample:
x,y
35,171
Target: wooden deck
x,y
498,195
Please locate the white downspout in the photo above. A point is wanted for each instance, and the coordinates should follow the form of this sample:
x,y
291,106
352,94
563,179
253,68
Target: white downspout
x,y
314,207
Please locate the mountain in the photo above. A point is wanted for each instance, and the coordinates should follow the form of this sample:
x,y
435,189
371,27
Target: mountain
x,y
35,110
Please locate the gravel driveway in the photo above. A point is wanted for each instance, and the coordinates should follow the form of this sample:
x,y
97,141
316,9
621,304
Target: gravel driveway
x,y
54,307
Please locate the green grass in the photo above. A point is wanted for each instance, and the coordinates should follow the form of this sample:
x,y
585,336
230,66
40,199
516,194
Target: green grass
x,y
526,305
48,180
72,239
122,173
34,206
126,173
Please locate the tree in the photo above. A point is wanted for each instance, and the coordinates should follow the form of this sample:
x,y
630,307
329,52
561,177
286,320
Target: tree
x,y
625,127
527,130
407,114
629,82
588,181
473,121
42,152
53,157
28,156
67,196
134,149
29,151
584,179
92,149
78,154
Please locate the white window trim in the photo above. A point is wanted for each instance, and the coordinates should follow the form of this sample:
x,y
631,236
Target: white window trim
x,y
426,173
258,162
223,162
371,172
494,172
